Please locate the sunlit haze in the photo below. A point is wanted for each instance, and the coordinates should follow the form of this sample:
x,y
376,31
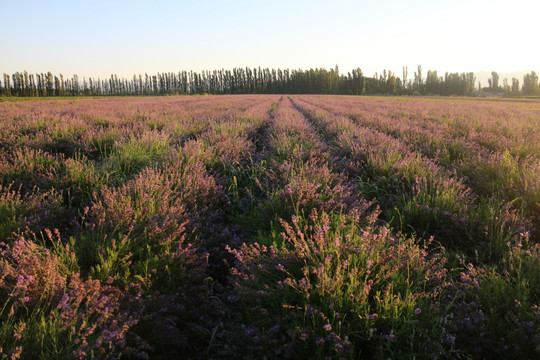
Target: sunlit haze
x,y
98,38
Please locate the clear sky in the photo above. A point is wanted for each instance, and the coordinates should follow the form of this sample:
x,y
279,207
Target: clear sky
x,y
97,38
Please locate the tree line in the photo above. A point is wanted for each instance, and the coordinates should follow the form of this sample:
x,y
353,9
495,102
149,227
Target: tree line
x,y
264,81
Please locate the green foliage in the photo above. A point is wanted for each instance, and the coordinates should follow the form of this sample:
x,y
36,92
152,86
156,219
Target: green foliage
x,y
102,143
128,158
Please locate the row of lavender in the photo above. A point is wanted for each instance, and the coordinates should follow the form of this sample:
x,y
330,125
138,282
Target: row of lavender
x,y
268,226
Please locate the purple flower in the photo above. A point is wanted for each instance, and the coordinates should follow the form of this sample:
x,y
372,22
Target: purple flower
x,y
417,311
64,302
327,327
304,284
275,328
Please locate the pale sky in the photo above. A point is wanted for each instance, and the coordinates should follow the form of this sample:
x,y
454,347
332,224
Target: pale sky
x,y
98,38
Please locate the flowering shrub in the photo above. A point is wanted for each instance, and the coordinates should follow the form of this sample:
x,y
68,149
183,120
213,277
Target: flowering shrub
x,y
340,289
42,299
20,211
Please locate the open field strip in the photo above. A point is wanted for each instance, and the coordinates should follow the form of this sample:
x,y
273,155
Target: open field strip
x,y
275,226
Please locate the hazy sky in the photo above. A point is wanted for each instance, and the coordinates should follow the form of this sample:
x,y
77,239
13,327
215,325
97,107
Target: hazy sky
x,y
97,38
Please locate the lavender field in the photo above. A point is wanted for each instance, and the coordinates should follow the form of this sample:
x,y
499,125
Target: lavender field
x,y
269,226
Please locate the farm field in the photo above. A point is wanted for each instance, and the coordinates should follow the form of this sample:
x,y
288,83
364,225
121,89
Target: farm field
x,y
269,226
